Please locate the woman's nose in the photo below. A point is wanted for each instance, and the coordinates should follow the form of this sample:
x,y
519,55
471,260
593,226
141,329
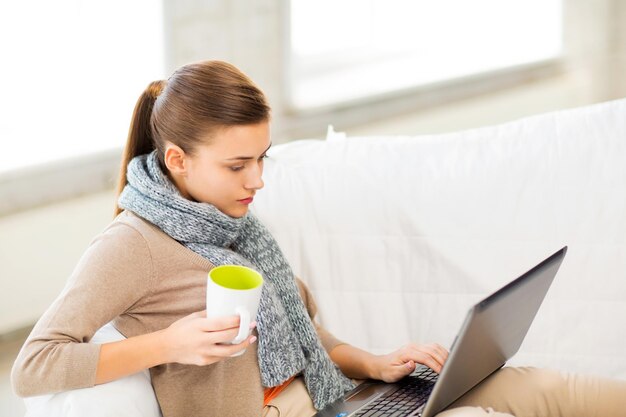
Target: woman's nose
x,y
254,181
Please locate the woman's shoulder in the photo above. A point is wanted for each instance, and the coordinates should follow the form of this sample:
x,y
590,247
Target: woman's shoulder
x,y
129,228
125,241
128,235
129,220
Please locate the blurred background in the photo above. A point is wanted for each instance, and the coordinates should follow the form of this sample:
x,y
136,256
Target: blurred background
x,y
72,69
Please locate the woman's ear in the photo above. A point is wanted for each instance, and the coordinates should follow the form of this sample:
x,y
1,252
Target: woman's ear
x,y
175,159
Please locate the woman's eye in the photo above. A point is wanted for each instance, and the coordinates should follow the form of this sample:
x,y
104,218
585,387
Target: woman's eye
x,y
240,167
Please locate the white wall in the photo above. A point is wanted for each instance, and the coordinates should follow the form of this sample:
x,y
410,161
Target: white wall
x,y
39,247
38,250
571,89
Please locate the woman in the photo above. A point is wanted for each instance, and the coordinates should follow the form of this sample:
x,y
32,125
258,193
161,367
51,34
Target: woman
x,y
195,157
192,165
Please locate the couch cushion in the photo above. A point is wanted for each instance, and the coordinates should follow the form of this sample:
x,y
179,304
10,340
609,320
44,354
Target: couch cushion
x,y
131,396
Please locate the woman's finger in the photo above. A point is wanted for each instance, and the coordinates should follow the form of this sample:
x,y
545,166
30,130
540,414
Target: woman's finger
x,y
423,358
439,352
216,324
442,351
226,350
433,351
396,371
423,354
222,336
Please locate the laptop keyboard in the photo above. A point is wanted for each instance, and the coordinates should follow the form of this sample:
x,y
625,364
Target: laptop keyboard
x,y
411,394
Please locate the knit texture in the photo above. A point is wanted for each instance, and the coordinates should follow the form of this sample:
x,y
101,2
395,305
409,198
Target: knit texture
x,y
288,343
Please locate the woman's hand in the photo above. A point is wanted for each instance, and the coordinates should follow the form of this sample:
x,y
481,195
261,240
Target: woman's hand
x,y
192,340
196,340
396,365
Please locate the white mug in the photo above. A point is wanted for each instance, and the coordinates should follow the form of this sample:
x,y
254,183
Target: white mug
x,y
234,290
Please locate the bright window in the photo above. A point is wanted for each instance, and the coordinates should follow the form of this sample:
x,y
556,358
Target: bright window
x,y
342,50
72,71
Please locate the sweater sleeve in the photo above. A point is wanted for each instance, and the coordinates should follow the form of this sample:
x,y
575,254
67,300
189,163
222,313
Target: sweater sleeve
x,y
329,341
113,273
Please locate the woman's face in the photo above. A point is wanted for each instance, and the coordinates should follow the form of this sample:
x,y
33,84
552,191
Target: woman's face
x,y
225,172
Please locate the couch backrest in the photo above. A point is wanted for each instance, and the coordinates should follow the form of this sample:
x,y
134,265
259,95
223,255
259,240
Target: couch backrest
x,y
398,236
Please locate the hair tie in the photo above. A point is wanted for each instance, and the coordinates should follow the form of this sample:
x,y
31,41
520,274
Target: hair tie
x,y
155,88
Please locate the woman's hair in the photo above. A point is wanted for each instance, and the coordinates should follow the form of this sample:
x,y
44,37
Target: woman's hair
x,y
188,108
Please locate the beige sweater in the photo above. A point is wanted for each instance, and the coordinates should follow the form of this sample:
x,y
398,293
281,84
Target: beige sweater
x,y
143,280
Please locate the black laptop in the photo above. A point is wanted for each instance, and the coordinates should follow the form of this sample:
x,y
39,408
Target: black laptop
x,y
491,334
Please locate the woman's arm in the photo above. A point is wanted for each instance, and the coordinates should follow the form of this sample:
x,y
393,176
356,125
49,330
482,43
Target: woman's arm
x,y
191,340
359,364
128,356
114,272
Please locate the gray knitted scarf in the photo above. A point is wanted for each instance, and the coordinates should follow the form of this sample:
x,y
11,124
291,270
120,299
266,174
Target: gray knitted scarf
x,y
287,343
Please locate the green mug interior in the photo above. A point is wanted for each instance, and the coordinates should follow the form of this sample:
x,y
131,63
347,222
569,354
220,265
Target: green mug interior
x,y
236,277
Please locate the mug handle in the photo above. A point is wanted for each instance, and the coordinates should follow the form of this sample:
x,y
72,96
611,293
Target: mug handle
x,y
244,325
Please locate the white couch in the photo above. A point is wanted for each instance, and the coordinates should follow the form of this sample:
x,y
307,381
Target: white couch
x,y
398,236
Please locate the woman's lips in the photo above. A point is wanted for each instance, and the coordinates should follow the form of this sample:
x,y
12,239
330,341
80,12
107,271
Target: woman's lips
x,y
246,200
